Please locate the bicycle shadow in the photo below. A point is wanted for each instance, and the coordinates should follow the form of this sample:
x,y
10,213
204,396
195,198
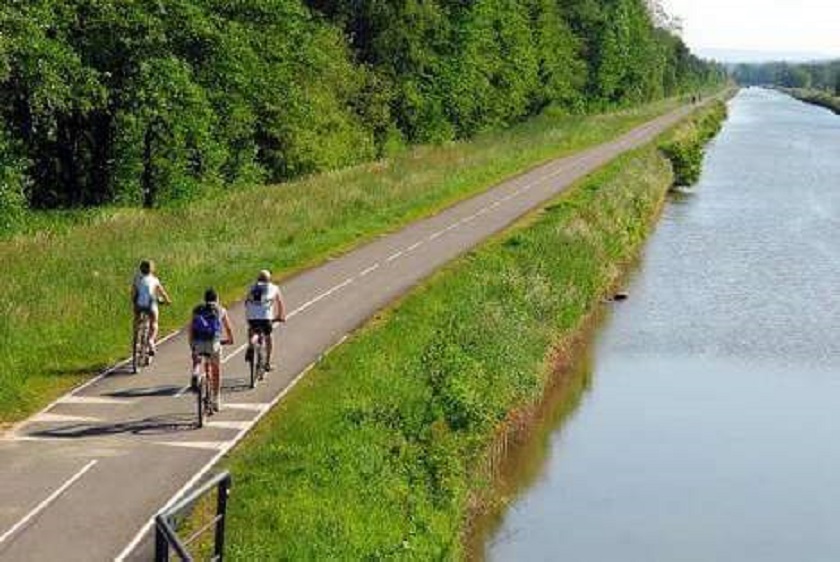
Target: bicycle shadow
x,y
149,391
156,425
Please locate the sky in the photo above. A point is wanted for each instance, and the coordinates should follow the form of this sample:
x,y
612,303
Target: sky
x,y
760,28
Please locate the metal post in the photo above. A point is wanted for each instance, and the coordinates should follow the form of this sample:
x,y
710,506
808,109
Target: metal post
x,y
166,538
161,545
221,513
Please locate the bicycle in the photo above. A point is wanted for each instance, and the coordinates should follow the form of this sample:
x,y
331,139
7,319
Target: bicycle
x,y
141,346
202,387
256,356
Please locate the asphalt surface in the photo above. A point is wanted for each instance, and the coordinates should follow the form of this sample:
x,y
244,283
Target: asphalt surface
x,y
82,479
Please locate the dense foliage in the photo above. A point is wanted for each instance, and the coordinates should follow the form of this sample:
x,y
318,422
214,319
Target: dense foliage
x,y
686,148
817,75
143,102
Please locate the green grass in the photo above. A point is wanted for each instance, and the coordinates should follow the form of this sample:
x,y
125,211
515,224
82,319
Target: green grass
x,y
64,290
816,97
375,454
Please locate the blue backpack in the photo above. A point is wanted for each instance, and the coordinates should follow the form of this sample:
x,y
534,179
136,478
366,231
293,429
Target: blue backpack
x,y
206,324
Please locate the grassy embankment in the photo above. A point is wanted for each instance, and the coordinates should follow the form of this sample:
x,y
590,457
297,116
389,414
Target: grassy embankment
x,y
378,452
63,296
816,97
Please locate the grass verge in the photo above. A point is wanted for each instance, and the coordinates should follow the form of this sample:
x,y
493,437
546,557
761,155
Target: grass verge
x,y
64,290
686,148
377,453
816,97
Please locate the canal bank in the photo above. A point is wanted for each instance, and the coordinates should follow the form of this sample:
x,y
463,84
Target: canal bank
x,y
707,428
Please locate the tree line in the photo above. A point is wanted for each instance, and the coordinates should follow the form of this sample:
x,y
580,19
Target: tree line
x,y
150,102
813,75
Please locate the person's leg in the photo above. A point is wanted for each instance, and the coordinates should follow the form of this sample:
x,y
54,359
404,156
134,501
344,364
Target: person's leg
x,y
269,347
216,381
153,329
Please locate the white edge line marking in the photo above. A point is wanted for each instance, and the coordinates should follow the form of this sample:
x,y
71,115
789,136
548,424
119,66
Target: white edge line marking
x,y
230,444
43,505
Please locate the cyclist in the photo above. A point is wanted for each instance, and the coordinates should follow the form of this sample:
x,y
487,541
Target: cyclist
x,y
209,330
146,292
263,306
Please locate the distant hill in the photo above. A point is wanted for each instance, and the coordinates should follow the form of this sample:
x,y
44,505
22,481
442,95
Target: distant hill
x,y
753,56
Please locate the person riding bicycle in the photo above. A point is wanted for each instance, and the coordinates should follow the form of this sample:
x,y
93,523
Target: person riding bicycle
x,y
146,292
263,306
209,330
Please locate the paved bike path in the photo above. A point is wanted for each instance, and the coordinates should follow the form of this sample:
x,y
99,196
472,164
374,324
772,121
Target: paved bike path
x,y
82,479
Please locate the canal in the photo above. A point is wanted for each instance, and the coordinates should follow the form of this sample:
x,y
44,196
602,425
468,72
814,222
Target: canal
x,y
705,422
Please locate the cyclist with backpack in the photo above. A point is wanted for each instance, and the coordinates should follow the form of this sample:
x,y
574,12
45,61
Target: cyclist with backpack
x,y
146,292
264,306
210,329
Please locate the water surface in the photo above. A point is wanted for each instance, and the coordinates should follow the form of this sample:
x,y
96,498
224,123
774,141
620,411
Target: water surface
x,y
711,427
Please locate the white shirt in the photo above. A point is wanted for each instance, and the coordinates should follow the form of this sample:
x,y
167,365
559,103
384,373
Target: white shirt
x,y
147,287
259,304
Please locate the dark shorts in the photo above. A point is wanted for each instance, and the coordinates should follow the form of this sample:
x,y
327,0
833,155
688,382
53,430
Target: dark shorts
x,y
263,327
147,310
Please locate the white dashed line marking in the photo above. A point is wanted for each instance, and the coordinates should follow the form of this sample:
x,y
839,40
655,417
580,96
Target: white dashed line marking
x,y
394,256
369,270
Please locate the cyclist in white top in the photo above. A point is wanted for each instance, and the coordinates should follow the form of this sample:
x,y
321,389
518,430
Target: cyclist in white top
x,y
263,306
146,292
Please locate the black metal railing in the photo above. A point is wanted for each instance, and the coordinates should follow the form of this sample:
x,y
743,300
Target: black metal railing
x,y
167,539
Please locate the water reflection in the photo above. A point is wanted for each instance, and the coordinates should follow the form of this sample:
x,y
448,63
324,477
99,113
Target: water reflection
x,y
526,460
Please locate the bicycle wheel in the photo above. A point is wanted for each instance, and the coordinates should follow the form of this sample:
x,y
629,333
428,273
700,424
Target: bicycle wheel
x,y
201,399
135,359
253,364
142,345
